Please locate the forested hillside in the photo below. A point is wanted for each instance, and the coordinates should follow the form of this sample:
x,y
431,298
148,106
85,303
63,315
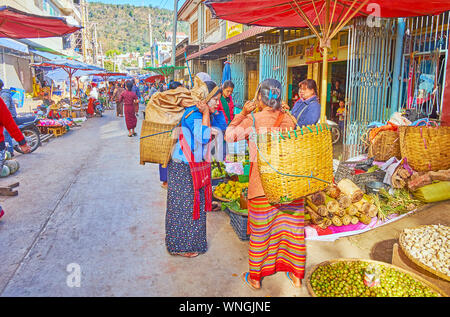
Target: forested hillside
x,y
125,27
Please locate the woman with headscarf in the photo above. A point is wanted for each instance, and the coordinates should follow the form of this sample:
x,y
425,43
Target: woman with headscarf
x,y
189,194
276,231
129,99
226,105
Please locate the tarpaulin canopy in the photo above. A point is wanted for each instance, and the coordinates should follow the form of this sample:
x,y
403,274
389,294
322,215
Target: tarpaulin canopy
x,y
70,67
165,70
47,55
154,78
14,45
17,24
116,78
286,13
325,18
60,74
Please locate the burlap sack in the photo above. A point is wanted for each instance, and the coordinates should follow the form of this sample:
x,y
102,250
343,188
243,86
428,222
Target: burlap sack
x,y
167,107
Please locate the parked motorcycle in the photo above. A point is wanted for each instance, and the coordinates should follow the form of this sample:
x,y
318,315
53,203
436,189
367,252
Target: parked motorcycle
x,y
336,133
28,126
98,108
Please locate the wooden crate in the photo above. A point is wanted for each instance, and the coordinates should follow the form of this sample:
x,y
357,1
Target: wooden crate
x,y
57,131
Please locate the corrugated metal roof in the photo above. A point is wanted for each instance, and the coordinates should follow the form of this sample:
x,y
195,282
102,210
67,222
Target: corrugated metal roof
x,y
232,40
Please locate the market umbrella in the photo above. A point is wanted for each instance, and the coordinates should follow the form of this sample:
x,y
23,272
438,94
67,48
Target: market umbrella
x,y
70,67
165,70
16,24
154,78
325,18
226,74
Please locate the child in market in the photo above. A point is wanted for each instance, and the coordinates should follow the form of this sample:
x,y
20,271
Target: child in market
x,y
340,114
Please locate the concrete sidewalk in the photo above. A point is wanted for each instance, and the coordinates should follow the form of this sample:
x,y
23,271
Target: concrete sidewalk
x,y
85,200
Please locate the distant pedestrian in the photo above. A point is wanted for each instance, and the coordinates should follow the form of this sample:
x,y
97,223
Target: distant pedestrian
x,y
116,96
129,99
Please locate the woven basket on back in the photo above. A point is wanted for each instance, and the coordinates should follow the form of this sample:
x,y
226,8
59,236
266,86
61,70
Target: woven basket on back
x,y
426,148
157,144
385,145
285,158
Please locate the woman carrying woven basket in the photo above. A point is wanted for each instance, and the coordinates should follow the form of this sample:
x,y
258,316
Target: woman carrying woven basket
x,y
189,176
276,231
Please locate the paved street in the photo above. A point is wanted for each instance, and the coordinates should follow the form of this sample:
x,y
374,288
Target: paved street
x,y
85,200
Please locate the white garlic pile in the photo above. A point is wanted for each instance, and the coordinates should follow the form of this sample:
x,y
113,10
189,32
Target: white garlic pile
x,y
430,245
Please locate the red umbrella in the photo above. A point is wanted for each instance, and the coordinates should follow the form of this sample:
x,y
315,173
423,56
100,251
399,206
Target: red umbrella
x,y
325,18
154,78
17,24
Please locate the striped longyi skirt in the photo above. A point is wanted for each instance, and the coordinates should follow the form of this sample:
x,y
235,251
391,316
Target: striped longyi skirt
x,y
277,238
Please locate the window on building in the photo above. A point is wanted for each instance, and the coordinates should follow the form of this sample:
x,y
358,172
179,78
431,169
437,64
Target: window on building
x,y
290,51
210,23
194,31
343,39
299,49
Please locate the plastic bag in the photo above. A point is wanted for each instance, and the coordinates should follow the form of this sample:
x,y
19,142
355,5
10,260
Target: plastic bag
x,y
398,119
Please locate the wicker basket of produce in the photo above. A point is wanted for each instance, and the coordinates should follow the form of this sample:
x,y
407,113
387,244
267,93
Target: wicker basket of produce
x,y
156,142
367,278
428,247
427,148
347,170
385,145
295,163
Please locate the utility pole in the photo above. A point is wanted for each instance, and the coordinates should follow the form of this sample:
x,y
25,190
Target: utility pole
x,y
174,35
151,38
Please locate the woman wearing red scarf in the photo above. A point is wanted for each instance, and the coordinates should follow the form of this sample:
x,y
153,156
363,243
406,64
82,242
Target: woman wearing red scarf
x,y
226,105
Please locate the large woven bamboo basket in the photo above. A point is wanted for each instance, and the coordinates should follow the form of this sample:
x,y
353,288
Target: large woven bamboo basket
x,y
157,144
426,148
295,163
403,243
385,145
413,275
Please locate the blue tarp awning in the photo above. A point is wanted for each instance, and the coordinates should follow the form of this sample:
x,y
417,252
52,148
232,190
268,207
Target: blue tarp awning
x,y
14,45
46,55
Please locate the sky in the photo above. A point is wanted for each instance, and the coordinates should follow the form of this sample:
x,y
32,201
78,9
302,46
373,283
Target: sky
x,y
167,4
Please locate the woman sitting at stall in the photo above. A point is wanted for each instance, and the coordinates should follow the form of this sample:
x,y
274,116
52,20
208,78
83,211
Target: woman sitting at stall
x,y
307,109
276,231
189,177
226,105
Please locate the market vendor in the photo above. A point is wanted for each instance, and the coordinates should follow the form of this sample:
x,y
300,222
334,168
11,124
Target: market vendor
x,y
307,109
277,239
189,176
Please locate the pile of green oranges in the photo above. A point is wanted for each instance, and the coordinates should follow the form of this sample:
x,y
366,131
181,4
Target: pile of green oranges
x,y
230,190
346,279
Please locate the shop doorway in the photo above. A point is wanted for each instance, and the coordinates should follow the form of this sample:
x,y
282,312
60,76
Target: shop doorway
x,y
338,84
298,74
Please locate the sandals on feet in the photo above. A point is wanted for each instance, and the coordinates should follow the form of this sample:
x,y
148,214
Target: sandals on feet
x,y
244,277
292,281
